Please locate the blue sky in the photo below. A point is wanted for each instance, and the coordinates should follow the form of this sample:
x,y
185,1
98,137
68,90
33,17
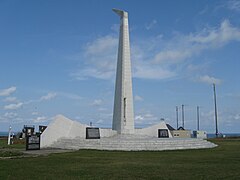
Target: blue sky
x,y
59,57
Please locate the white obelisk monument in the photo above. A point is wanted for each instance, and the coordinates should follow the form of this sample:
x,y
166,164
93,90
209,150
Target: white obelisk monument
x,y
123,118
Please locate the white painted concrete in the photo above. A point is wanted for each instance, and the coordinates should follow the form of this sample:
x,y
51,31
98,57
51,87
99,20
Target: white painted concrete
x,y
62,127
107,132
153,130
133,143
123,116
200,134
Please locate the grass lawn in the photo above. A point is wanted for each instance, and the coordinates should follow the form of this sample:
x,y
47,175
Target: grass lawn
x,y
13,150
20,144
222,162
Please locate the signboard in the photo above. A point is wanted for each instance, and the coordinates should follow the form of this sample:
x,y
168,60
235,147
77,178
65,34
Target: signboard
x,y
163,133
92,133
33,142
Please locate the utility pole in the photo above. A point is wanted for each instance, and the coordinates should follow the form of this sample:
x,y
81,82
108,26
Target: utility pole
x,y
215,105
177,115
198,118
183,115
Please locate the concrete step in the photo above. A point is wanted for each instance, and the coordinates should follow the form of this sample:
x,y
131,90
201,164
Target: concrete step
x,y
132,143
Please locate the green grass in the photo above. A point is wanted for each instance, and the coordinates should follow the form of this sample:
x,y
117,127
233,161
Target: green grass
x,y
18,144
222,162
11,150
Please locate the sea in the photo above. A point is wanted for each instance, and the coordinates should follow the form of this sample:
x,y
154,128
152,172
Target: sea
x,y
210,135
3,134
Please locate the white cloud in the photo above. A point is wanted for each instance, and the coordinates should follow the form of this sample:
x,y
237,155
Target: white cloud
x,y
138,98
172,56
52,95
69,95
100,58
183,47
13,106
10,99
145,118
233,5
237,117
96,102
115,27
215,38
233,95
139,118
10,115
48,96
100,121
40,119
151,24
7,92
102,109
153,58
101,45
204,10
210,80
149,71
94,73
35,113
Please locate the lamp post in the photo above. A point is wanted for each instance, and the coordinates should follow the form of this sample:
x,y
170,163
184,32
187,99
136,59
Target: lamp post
x,y
9,135
183,115
215,105
198,118
177,115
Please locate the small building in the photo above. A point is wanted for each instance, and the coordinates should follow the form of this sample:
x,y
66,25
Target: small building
x,y
181,133
200,134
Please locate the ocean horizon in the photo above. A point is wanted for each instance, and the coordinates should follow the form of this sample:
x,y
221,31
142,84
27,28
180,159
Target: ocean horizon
x,y
3,133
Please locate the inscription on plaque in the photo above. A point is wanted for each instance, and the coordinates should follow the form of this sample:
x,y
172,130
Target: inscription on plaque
x,y
163,133
92,133
33,142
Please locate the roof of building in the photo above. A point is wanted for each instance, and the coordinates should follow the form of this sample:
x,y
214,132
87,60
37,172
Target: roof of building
x,y
170,127
180,128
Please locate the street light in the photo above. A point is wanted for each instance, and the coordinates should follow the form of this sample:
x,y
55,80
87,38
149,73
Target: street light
x,y
177,115
183,115
215,105
198,118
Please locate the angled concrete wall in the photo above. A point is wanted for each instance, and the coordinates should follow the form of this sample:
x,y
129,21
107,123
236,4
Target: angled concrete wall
x,y
62,127
153,130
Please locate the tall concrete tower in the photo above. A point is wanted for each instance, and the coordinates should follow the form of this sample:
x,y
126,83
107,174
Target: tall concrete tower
x,y
123,118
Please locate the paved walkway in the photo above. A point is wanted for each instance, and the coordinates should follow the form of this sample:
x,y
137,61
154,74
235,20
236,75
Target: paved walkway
x,y
46,151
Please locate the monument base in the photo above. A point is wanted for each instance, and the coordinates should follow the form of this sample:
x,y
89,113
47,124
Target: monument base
x,y
64,133
132,143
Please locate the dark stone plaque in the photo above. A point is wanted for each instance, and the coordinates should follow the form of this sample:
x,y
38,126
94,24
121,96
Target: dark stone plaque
x,y
92,133
33,142
163,133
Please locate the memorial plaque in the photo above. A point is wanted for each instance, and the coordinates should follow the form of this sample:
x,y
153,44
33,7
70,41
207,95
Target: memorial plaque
x,y
163,133
33,146
33,142
92,133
